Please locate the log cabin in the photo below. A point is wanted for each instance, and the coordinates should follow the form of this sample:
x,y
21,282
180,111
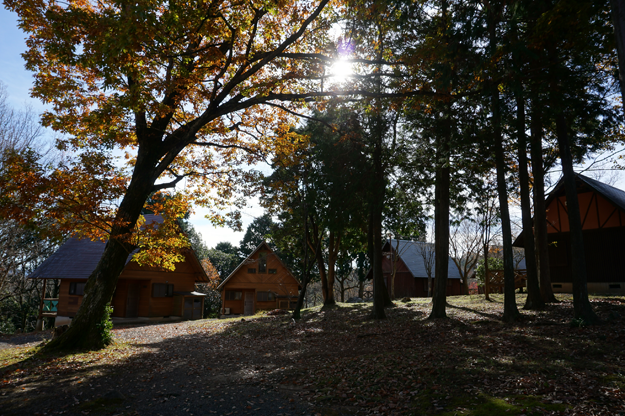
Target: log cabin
x,y
260,282
411,278
602,210
141,292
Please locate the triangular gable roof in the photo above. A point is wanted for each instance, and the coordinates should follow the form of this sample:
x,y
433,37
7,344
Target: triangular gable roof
x,y
249,258
614,195
410,253
77,258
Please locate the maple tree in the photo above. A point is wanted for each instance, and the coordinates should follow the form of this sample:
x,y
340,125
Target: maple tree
x,y
176,86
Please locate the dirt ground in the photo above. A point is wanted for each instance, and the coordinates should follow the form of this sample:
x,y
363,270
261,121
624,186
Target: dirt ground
x,y
336,362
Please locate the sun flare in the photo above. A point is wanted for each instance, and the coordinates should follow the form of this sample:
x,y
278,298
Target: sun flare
x,y
341,70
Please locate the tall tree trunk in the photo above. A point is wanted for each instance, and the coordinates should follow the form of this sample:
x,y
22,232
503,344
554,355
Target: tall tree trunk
x,y
618,20
442,195
380,292
379,289
540,210
333,250
510,310
581,304
307,266
486,271
321,264
441,223
394,262
534,299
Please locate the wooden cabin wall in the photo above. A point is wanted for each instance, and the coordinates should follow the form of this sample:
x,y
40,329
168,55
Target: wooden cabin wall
x,y
282,283
595,211
119,298
404,284
605,262
183,279
68,304
404,281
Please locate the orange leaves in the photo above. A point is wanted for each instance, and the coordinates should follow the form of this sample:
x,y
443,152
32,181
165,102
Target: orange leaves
x,y
212,273
182,84
161,244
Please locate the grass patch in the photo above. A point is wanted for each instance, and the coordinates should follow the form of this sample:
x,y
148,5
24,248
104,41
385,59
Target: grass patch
x,y
486,405
12,356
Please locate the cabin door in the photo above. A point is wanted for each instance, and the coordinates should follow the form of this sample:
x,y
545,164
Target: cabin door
x,y
192,308
249,303
132,301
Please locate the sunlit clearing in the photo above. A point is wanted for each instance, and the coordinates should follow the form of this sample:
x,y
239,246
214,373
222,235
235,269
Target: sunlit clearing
x,y
341,70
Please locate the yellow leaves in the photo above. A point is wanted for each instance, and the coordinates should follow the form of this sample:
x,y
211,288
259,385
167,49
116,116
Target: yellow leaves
x,y
161,245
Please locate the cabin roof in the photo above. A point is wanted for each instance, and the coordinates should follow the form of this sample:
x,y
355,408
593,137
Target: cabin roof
x,y
614,195
77,258
249,259
410,253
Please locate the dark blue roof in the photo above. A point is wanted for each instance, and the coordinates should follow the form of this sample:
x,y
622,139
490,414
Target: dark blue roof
x,y
77,258
411,254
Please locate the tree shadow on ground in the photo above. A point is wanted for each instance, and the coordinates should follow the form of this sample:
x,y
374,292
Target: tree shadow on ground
x,y
343,362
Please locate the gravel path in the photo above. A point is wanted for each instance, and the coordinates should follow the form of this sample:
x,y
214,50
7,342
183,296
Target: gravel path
x,y
171,369
23,340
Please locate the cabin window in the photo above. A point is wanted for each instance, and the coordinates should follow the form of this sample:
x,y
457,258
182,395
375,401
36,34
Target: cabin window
x,y
262,262
265,296
251,271
615,286
233,295
77,289
273,271
162,290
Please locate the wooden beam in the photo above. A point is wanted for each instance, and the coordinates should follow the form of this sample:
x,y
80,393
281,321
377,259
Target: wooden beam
x,y
593,197
608,219
597,208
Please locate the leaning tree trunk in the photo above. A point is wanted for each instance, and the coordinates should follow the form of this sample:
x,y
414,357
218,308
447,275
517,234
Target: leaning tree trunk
x,y
581,305
540,210
534,299
85,331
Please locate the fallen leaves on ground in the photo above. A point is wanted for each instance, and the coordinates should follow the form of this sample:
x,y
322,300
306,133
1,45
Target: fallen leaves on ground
x,y
341,362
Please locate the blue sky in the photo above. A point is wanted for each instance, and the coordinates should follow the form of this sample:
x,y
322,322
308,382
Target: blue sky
x,y
12,72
